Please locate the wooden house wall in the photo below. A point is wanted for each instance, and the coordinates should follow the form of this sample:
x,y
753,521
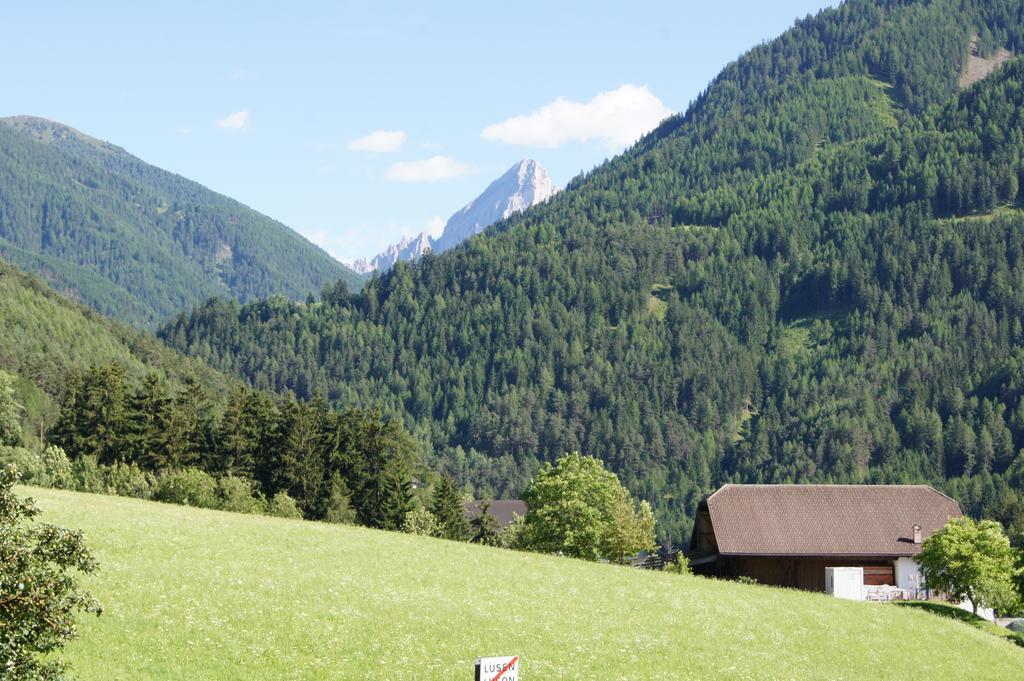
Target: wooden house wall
x,y
799,573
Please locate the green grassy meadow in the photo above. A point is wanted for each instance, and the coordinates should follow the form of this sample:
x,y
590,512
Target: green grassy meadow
x,y
196,594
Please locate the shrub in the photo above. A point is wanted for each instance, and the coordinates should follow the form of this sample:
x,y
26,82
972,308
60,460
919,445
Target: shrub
x,y
188,487
681,566
508,538
58,467
128,480
49,468
283,506
87,476
422,522
30,467
10,412
38,590
238,495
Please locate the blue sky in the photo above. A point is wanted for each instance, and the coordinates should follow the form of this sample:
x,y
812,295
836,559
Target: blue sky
x,y
278,107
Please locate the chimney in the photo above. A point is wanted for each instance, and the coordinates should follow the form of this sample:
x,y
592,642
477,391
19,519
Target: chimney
x,y
917,534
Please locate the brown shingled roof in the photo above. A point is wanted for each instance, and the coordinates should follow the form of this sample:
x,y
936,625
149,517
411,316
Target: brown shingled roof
x,y
503,510
826,520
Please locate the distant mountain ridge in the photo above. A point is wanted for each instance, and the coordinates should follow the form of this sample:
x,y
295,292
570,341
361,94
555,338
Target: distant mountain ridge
x,y
136,242
523,185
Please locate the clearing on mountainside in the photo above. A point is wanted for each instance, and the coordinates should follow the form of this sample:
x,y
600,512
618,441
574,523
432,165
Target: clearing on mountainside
x,y
979,67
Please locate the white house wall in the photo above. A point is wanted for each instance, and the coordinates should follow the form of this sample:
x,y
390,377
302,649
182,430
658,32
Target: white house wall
x,y
908,574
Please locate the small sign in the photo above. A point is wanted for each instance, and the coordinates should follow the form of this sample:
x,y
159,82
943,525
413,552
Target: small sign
x,y
497,668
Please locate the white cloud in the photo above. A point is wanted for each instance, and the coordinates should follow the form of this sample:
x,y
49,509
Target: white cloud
x,y
348,244
433,169
617,118
435,226
242,74
234,121
379,141
336,244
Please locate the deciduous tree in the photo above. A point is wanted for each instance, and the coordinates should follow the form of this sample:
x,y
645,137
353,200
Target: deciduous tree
x,y
10,412
579,509
39,594
973,561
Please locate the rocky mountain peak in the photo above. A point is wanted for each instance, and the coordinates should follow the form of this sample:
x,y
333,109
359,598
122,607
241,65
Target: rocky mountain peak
x,y
523,185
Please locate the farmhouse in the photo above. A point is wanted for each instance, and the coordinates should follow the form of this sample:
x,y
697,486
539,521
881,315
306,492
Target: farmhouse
x,y
503,510
787,535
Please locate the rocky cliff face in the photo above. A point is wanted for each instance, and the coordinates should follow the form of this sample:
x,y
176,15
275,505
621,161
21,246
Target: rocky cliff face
x,y
523,185
409,248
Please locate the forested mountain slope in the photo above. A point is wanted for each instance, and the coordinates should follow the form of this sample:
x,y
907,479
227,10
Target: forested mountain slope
x,y
136,242
815,273
44,336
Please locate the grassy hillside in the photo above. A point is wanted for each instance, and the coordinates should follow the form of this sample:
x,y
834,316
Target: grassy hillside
x,y
136,242
202,594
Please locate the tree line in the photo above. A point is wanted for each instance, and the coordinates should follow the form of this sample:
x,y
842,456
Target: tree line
x,y
343,466
257,454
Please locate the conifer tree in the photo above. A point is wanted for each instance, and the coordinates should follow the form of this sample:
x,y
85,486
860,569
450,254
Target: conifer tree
x,y
94,419
149,418
190,431
394,498
446,505
483,528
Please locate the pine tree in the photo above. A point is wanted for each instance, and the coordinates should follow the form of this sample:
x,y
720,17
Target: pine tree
x,y
93,418
483,528
237,436
149,417
394,498
306,453
446,505
339,503
191,429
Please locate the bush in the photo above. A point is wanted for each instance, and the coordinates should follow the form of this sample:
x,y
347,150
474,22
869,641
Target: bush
x,y
50,468
238,495
681,566
421,522
10,412
39,595
58,467
188,487
508,538
31,470
127,480
283,506
87,475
